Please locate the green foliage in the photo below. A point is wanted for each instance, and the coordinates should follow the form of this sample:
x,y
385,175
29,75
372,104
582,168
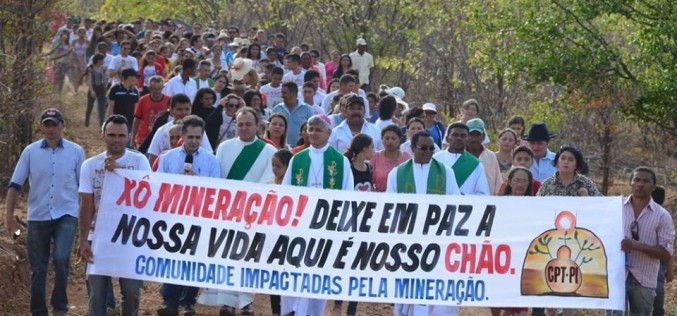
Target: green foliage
x,y
577,44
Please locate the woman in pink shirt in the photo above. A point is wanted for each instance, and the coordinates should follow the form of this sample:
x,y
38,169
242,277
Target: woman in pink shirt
x,y
331,64
390,157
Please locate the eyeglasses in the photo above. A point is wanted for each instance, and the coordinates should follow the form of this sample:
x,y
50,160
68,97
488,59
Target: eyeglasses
x,y
428,148
634,230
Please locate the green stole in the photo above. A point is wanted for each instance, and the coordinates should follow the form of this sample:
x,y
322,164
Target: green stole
x,y
464,167
245,160
437,178
333,169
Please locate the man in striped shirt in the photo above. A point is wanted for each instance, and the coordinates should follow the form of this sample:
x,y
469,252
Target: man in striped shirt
x,y
649,237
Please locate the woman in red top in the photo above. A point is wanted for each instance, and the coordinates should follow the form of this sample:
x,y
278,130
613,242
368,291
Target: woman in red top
x,y
390,157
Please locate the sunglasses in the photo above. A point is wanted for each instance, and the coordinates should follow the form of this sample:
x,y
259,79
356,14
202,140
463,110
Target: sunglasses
x,y
233,105
428,148
634,230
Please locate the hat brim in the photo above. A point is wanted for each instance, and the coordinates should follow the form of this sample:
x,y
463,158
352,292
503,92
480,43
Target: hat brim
x,y
54,119
550,136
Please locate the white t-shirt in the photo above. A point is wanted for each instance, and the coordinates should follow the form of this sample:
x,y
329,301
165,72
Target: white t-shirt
x,y
118,63
298,79
148,72
93,172
273,95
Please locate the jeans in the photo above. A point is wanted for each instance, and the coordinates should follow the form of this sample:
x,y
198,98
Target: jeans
x,y
40,236
174,295
658,301
100,101
99,292
639,299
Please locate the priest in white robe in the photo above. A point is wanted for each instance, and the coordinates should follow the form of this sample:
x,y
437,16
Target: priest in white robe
x,y
323,167
245,158
468,170
423,175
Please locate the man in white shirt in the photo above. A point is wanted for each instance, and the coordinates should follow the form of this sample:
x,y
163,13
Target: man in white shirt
x,y
307,169
244,158
423,175
117,156
121,62
346,85
273,90
354,124
296,72
183,83
468,170
179,107
363,62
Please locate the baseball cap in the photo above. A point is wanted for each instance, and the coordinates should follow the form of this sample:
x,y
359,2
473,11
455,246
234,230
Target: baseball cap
x,y
361,42
476,125
429,107
354,98
397,92
51,114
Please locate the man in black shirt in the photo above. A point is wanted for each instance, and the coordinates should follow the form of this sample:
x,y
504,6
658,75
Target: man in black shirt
x,y
123,96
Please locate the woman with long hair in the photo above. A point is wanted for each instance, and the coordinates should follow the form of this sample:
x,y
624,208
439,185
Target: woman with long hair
x,y
361,151
252,98
390,157
97,34
507,140
331,64
254,53
304,141
62,59
149,68
345,63
220,87
203,105
277,130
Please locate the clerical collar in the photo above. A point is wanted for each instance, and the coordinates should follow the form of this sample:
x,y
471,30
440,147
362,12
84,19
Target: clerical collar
x,y
422,164
247,143
319,150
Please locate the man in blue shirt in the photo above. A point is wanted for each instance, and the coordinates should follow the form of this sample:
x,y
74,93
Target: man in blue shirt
x,y
295,111
538,139
189,159
52,167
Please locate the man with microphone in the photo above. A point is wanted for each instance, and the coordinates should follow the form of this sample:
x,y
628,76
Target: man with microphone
x,y
189,159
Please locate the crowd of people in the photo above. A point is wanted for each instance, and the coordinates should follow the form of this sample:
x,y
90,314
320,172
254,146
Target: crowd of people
x,y
238,105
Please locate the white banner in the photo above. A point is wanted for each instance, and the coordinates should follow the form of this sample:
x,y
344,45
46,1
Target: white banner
x,y
356,246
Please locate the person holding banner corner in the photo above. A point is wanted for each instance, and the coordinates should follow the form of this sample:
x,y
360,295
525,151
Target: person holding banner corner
x,y
116,135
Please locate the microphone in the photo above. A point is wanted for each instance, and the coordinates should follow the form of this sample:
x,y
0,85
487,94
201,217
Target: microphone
x,y
188,164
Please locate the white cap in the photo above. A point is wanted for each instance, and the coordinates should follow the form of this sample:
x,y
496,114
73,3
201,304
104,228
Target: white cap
x,y
361,42
396,92
429,107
